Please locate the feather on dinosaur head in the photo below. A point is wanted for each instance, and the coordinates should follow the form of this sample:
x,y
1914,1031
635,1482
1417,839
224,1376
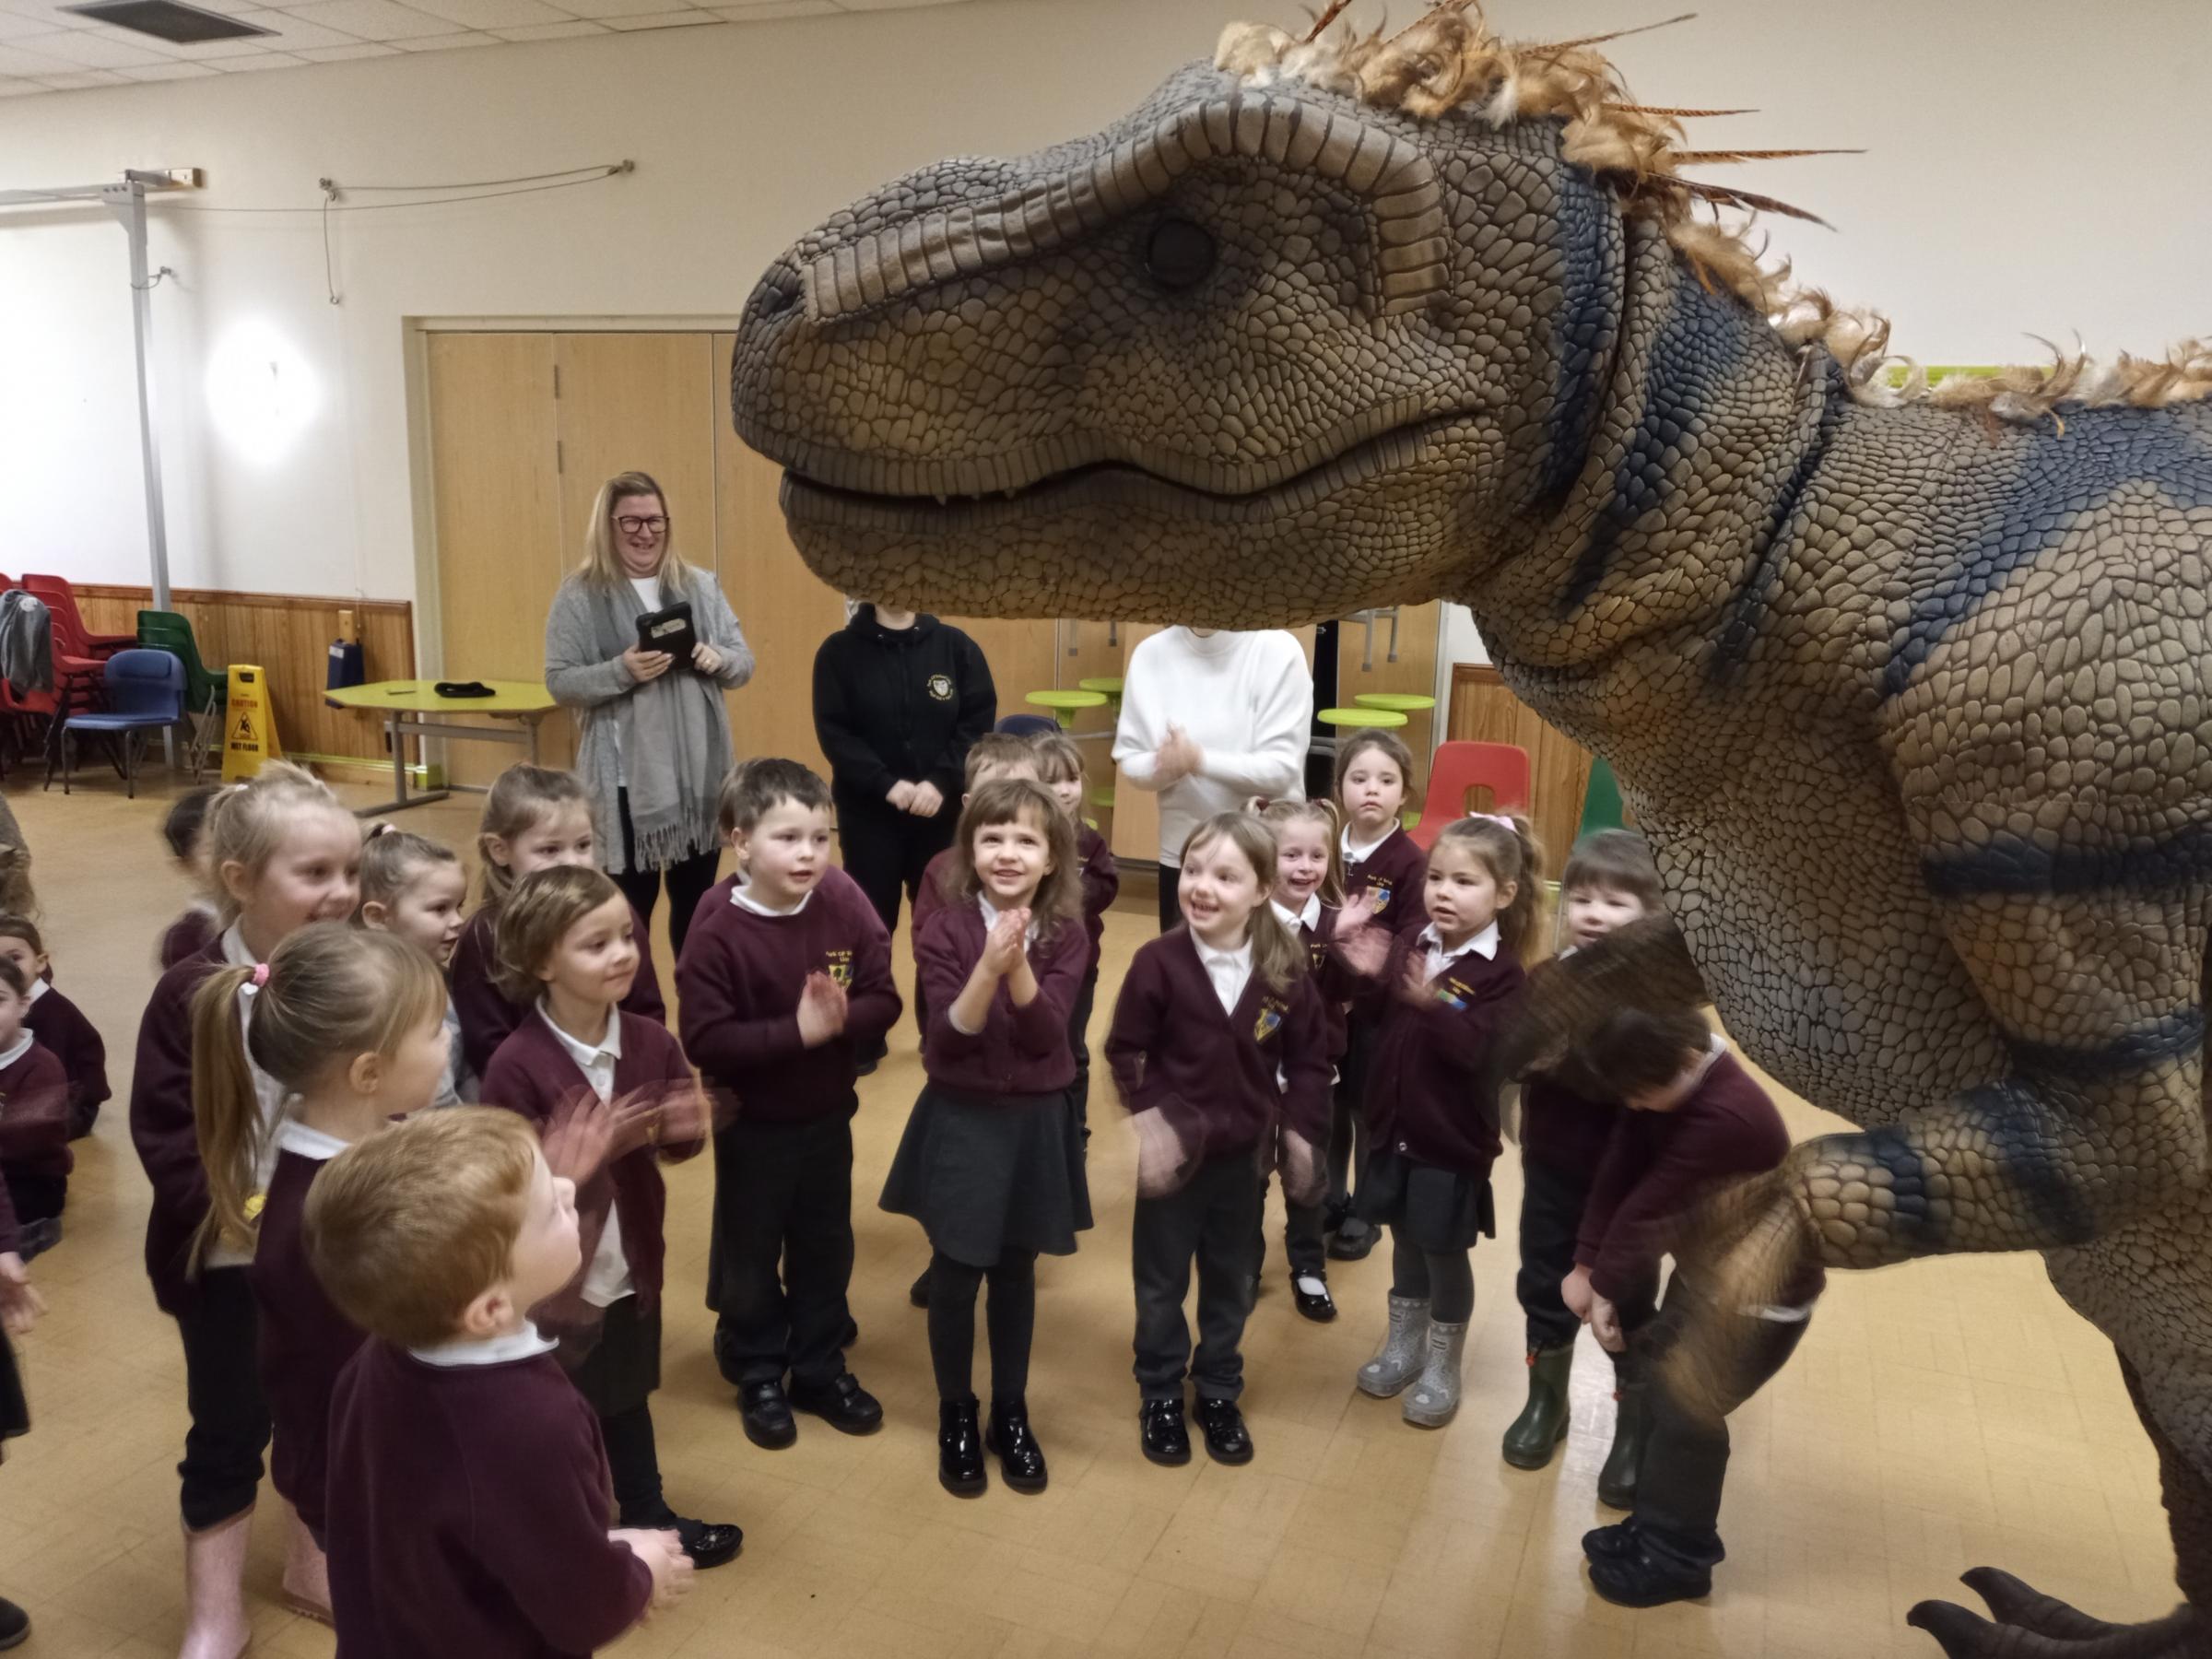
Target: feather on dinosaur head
x,y
1451,61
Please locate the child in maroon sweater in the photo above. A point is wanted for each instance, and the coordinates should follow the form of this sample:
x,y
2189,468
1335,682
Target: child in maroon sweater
x,y
1382,874
1696,1121
567,952
535,818
1060,769
349,1024
1443,993
991,1163
782,983
992,756
1566,1120
467,1483
1309,899
59,1026
20,1309
34,1119
286,854
1219,1051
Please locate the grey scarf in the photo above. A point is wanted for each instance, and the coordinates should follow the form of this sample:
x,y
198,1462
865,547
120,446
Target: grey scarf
x,y
675,740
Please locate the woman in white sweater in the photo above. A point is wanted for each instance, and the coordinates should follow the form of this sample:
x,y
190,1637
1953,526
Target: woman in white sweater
x,y
1210,719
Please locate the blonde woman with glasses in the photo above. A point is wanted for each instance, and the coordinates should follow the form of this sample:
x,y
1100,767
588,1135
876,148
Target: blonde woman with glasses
x,y
655,735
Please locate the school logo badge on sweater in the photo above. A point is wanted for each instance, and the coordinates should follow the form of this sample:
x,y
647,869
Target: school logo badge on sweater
x,y
1378,895
1270,1020
940,686
838,965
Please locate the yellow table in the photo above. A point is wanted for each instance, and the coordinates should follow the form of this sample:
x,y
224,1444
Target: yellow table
x,y
1065,704
1368,718
1396,702
403,704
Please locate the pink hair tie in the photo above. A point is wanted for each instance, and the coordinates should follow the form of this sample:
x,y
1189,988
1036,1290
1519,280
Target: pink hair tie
x,y
1494,818
261,973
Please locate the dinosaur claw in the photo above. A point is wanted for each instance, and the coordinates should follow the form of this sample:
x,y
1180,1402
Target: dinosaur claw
x,y
1961,1634
2030,1624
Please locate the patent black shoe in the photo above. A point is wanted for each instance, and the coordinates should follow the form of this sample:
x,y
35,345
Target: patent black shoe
x,y
844,1405
1320,1307
1227,1439
918,1292
1611,1543
1020,1458
1644,1577
1164,1438
767,1414
708,1543
15,1625
961,1449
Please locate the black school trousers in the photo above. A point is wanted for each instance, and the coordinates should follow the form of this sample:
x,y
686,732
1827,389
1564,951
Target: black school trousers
x,y
1552,1201
782,1256
1686,1452
229,1430
688,881
1213,1219
886,851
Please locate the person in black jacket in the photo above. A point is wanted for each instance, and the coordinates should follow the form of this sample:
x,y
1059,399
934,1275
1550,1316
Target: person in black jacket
x,y
897,701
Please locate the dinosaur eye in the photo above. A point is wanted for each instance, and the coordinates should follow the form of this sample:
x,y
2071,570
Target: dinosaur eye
x,y
1178,254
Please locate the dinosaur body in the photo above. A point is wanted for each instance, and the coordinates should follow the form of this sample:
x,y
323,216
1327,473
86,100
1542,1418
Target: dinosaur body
x,y
1913,703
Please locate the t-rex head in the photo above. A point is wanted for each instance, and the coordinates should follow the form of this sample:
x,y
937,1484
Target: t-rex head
x,y
1267,350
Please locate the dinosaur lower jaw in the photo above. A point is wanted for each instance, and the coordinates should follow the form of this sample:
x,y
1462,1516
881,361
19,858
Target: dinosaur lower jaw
x,y
1118,487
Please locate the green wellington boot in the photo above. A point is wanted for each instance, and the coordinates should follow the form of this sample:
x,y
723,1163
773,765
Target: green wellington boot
x,y
1616,1480
1542,1424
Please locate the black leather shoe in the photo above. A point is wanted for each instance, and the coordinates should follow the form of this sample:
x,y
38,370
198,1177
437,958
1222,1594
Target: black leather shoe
x,y
766,1416
1165,1439
961,1449
1321,1308
1347,1246
1020,1458
844,1405
1610,1543
15,1625
708,1543
1227,1439
918,1292
1642,1578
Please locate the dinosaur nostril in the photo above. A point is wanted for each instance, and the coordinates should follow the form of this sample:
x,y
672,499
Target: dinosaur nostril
x,y
1178,254
778,292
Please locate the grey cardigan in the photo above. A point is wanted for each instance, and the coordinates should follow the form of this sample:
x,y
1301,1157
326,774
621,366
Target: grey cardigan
x,y
580,679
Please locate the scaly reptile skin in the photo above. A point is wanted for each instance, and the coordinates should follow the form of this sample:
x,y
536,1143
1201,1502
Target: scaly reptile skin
x,y
1913,704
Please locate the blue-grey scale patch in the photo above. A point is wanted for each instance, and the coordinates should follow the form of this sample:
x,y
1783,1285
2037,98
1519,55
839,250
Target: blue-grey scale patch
x,y
1892,1150
1697,351
2010,864
2169,1037
2061,477
1592,262
2015,1118
1748,609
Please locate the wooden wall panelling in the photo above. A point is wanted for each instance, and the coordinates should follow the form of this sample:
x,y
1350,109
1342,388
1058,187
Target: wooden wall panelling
x,y
1484,711
289,636
785,609
496,506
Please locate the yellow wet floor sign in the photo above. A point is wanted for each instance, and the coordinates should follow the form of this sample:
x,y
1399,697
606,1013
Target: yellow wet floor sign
x,y
250,734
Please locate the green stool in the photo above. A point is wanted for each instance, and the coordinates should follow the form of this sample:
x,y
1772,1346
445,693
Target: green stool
x,y
1065,705
1601,800
1400,702
1360,717
1108,686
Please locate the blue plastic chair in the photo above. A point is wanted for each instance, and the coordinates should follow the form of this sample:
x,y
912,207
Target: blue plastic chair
x,y
146,694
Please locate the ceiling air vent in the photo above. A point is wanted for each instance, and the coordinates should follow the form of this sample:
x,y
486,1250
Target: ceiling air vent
x,y
166,21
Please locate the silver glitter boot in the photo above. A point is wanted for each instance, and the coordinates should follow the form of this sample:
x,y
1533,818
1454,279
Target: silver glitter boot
x,y
1436,1396
1402,1350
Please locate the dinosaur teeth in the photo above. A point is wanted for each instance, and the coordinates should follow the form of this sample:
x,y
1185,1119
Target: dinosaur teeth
x,y
943,500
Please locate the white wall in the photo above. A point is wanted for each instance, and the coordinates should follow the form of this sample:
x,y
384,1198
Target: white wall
x,y
2034,167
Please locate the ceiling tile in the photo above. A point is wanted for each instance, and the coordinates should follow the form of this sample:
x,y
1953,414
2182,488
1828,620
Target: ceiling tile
x,y
258,61
19,88
292,35
339,54
614,8
205,49
91,49
491,14
161,72
16,27
681,19
82,80
27,63
565,30
371,20
446,42
769,10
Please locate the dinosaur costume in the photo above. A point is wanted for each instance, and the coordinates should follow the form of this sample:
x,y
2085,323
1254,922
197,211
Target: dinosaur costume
x,y
1907,687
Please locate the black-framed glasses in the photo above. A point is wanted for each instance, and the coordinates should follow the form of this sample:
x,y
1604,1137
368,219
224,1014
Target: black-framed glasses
x,y
632,526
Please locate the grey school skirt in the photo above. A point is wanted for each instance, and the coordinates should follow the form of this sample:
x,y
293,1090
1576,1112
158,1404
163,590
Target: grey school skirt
x,y
1437,1211
987,1175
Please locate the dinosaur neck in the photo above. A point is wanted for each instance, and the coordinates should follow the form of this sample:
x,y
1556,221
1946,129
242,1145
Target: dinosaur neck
x,y
1702,432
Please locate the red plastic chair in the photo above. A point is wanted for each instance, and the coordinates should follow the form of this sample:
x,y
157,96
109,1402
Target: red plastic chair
x,y
1500,767
68,621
